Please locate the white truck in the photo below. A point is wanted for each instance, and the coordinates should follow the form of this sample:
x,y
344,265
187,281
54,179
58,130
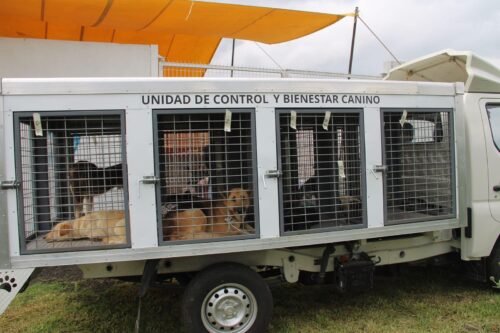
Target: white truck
x,y
219,183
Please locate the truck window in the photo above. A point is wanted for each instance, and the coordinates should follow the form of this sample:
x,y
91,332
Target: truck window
x,y
494,117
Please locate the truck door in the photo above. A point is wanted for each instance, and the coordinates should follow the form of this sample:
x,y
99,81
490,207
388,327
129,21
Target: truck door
x,y
492,136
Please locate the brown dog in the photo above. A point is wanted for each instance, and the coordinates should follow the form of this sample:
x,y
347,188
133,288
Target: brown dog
x,y
226,217
187,224
107,226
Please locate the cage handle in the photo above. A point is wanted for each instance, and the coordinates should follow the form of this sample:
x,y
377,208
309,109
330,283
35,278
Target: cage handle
x,y
9,185
273,174
270,174
379,168
150,180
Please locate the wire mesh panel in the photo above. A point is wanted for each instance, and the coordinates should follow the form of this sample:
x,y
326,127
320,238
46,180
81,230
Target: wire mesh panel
x,y
322,175
72,179
419,157
206,165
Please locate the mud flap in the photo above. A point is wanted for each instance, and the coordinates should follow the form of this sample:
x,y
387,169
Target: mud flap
x,y
11,282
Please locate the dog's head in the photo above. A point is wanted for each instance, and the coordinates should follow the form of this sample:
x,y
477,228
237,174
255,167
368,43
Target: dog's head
x,y
62,231
238,201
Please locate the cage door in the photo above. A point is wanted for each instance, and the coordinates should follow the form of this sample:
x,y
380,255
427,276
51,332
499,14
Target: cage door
x,y
320,160
72,180
418,153
205,160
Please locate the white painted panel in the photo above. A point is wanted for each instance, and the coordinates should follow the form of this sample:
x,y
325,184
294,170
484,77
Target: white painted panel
x,y
22,58
267,160
4,235
374,180
140,163
10,174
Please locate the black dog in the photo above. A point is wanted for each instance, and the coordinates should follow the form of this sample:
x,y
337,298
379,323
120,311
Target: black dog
x,y
303,208
86,180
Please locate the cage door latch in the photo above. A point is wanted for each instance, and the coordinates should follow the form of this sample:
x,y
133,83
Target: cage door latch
x,y
150,180
379,168
9,184
273,174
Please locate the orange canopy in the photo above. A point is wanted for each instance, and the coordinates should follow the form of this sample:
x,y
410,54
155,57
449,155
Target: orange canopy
x,y
184,30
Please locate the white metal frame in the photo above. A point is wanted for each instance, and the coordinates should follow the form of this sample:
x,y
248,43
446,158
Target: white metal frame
x,y
230,70
89,94
292,261
4,236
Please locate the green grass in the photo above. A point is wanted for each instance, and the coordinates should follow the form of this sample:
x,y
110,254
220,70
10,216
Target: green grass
x,y
418,300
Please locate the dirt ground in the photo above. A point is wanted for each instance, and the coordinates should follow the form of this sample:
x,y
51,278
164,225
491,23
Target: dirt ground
x,y
61,273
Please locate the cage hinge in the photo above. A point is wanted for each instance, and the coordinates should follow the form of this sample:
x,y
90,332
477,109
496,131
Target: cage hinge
x,y
9,184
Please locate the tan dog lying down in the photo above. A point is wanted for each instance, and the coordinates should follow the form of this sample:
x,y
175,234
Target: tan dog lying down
x,y
188,224
227,217
107,226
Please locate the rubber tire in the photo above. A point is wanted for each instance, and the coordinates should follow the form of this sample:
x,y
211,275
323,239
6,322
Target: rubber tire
x,y
220,274
493,263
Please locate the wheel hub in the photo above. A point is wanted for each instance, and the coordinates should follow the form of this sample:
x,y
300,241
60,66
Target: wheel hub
x,y
229,309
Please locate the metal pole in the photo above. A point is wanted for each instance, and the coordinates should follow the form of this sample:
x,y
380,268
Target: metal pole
x,y
232,57
356,13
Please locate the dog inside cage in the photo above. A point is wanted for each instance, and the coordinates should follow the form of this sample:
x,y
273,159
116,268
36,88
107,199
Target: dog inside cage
x,y
72,180
205,162
320,155
418,155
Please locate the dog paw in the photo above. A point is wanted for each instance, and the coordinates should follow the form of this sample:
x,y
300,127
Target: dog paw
x,y
7,283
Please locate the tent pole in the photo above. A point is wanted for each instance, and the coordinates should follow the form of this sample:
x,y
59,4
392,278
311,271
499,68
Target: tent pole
x,y
232,56
356,13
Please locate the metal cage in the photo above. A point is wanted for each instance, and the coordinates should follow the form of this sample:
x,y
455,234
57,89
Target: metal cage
x,y
321,158
205,160
419,154
73,185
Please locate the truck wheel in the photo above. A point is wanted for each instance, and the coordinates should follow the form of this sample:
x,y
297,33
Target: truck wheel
x,y
227,297
494,266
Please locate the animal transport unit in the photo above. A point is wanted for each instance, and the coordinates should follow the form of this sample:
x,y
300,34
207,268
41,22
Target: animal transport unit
x,y
299,178
100,171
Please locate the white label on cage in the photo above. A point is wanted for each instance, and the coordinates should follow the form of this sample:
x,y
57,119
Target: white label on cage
x,y
341,169
38,124
293,120
326,120
227,121
402,121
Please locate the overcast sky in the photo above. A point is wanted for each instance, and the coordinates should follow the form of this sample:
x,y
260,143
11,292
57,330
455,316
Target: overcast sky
x,y
410,28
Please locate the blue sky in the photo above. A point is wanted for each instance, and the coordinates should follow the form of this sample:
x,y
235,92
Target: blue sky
x,y
410,28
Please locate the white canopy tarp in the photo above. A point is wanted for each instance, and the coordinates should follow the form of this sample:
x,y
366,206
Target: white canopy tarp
x,y
476,73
